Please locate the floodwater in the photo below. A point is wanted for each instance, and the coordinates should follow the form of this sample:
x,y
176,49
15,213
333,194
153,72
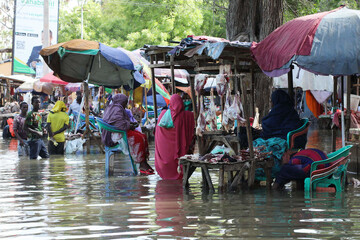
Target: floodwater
x,y
70,198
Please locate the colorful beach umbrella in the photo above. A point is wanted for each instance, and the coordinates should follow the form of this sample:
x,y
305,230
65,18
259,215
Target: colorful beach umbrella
x,y
79,60
324,43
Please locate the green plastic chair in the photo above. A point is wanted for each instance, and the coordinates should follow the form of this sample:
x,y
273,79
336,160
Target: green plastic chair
x,y
334,175
110,151
292,135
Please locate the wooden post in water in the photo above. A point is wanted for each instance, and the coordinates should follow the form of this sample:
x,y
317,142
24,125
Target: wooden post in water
x,y
173,84
153,89
244,84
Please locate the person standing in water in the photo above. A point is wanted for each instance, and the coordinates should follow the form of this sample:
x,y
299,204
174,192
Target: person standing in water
x,y
58,122
34,130
20,134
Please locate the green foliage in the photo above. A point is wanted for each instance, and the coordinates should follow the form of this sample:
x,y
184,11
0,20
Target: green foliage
x,y
296,8
131,24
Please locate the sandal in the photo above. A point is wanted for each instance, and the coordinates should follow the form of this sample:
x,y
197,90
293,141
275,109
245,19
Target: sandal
x,y
147,172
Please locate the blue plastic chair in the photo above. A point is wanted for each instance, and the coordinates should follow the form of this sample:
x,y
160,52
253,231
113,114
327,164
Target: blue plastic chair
x,y
109,151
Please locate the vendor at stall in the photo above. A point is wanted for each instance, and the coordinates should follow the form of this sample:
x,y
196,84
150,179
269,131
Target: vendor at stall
x,y
116,115
173,140
282,119
58,122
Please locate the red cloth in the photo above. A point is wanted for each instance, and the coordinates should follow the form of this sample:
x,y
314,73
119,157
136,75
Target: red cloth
x,y
10,122
139,147
172,143
293,38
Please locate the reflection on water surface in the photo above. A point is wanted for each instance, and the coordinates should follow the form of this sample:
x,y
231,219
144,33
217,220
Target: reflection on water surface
x,y
69,198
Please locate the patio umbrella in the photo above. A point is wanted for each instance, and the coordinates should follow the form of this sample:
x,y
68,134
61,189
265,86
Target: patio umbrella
x,y
50,78
79,60
324,43
35,86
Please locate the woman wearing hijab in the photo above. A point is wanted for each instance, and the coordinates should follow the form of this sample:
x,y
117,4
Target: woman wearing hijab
x,y
175,141
58,122
115,115
282,119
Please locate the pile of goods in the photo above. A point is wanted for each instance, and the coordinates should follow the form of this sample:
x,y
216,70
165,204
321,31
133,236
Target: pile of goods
x,y
10,108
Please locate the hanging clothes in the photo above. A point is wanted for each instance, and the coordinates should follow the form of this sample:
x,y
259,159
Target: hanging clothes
x,y
313,105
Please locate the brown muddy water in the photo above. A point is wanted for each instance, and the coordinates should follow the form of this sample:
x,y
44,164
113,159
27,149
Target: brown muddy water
x,y
70,198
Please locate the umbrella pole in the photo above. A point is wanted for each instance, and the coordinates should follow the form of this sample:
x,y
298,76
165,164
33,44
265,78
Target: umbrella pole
x,y
342,113
87,112
333,130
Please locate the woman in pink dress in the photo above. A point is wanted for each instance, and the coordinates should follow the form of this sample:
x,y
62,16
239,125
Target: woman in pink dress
x,y
172,143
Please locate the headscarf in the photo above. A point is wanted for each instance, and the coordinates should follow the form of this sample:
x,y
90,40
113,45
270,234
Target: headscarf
x,y
282,118
59,107
115,113
116,116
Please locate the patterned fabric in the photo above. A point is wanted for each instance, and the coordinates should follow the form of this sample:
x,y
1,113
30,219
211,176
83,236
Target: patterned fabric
x,y
306,157
19,122
33,121
139,148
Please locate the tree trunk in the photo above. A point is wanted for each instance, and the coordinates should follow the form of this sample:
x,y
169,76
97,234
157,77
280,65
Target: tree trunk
x,y
253,20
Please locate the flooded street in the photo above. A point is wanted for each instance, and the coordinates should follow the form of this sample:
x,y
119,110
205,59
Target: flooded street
x,y
70,198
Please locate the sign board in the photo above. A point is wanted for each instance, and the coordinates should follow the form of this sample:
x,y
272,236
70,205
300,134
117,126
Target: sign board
x,y
27,37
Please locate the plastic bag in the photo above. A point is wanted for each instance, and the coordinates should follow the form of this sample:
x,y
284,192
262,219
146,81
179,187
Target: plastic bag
x,y
166,120
75,145
222,149
117,138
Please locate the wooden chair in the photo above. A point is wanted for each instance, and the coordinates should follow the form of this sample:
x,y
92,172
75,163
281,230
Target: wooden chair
x,y
110,151
292,135
334,175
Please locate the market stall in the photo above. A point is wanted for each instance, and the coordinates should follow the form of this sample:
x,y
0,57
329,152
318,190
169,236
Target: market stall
x,y
230,66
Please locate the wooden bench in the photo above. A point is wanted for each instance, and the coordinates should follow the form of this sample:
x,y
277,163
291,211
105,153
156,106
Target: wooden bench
x,y
234,170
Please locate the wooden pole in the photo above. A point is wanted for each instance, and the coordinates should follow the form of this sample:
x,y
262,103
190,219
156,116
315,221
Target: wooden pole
x,y
252,90
153,88
193,97
290,83
46,32
173,84
245,84
87,111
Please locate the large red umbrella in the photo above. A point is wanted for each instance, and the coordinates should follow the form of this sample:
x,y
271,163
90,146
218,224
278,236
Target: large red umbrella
x,y
50,78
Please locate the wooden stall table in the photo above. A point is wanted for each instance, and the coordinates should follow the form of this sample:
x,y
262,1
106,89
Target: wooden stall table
x,y
235,170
